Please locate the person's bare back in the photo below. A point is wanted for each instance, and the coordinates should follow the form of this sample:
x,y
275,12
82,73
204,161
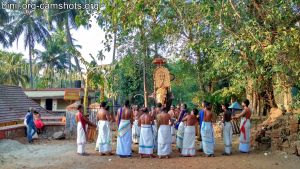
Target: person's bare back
x,y
146,119
191,120
102,115
153,114
172,113
207,116
126,113
164,119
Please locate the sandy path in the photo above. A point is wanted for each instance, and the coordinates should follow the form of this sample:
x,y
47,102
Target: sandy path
x,y
62,154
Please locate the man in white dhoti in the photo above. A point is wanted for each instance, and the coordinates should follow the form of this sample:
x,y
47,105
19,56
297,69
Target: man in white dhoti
x,y
124,140
173,118
227,130
154,112
104,132
180,127
244,146
201,116
207,132
146,143
82,122
188,147
164,142
135,128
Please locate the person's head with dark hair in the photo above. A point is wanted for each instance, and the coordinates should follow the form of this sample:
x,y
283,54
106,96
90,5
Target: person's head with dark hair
x,y
145,110
183,106
203,104
195,111
103,104
208,106
127,103
225,106
159,105
246,103
233,99
35,112
79,108
107,108
164,110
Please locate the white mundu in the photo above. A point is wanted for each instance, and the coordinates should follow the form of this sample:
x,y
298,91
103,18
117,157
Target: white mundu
x,y
164,140
146,143
104,136
188,147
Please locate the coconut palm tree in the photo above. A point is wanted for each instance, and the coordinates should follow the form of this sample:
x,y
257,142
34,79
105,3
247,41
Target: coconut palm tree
x,y
53,59
4,34
65,18
33,28
13,69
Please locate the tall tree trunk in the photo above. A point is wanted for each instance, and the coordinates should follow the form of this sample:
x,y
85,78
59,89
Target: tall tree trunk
x,y
115,43
156,48
200,71
70,42
144,52
113,60
30,65
259,105
145,86
255,100
270,94
86,94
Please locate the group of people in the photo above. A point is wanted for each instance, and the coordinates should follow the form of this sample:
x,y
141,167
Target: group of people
x,y
156,130
33,123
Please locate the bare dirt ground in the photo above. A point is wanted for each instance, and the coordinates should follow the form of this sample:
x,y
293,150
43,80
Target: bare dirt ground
x,y
61,154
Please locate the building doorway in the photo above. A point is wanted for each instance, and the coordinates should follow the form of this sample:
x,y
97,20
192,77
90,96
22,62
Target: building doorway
x,y
49,103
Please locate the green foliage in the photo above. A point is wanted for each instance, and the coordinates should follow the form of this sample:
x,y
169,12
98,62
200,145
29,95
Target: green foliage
x,y
32,26
184,86
126,78
53,62
221,48
13,69
4,33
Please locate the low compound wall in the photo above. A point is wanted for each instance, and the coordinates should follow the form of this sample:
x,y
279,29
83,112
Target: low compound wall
x,y
19,130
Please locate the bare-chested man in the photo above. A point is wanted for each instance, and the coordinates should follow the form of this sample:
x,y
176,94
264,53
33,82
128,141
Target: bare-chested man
x,y
82,121
153,112
188,147
103,143
177,111
180,127
124,120
146,143
164,134
135,128
227,129
155,117
158,108
207,133
173,119
172,111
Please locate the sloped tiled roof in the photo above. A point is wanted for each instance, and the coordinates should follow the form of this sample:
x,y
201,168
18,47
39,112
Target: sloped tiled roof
x,y
14,104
